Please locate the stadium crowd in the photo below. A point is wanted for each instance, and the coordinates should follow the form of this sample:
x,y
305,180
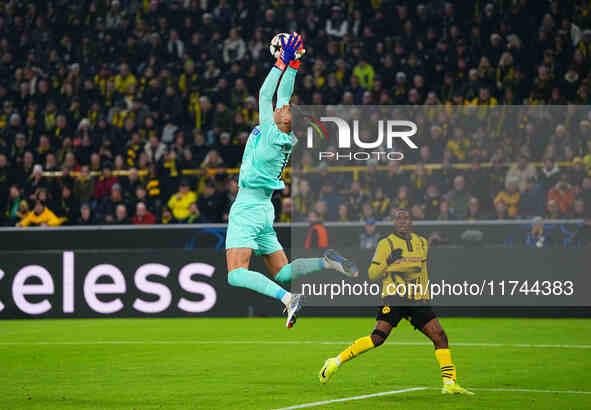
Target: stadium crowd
x,y
132,111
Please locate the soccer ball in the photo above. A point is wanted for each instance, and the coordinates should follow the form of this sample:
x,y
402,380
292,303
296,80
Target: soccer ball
x,y
275,46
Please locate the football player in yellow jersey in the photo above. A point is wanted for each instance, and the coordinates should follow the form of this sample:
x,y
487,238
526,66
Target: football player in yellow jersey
x,y
400,262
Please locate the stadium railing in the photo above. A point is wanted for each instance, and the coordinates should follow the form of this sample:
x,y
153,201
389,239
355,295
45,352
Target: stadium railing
x,y
355,170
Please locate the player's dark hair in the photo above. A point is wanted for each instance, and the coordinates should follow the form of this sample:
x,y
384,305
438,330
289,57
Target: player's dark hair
x,y
401,210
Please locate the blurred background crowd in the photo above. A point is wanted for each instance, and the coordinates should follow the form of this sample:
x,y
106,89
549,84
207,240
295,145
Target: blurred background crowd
x,y
136,111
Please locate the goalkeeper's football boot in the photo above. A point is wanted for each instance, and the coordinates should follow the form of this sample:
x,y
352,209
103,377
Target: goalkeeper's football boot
x,y
454,388
334,260
292,307
330,367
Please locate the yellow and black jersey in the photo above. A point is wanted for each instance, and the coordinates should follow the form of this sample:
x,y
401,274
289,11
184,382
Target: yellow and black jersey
x,y
410,270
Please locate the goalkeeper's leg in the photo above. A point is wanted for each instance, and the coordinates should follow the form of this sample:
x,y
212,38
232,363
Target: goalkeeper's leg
x,y
433,330
285,272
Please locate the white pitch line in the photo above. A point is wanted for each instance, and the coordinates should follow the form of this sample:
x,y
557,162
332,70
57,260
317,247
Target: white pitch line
x,y
365,396
368,396
288,342
531,390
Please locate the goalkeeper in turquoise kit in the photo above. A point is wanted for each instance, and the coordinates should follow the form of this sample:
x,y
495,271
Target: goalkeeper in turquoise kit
x,y
250,222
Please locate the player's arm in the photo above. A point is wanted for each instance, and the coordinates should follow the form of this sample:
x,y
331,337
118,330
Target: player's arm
x,y
286,87
379,265
407,266
287,82
266,94
411,265
267,90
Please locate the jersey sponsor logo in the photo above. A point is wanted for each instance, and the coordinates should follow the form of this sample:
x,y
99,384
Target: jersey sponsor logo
x,y
409,260
385,310
256,131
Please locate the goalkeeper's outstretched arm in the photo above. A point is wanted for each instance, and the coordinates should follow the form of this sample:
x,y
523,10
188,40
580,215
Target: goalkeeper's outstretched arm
x,y
286,87
266,94
287,59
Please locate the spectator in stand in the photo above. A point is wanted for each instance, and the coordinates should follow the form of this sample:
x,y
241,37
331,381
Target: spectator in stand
x,y
553,210
432,201
402,199
180,202
380,204
303,198
419,180
538,237
40,216
477,181
321,209
121,216
510,197
532,200
564,195
521,171
355,198
317,237
142,215
68,206
458,198
106,209
86,217
154,149
210,203
393,179
105,182
11,209
500,211
445,177
578,210
577,172
194,215
444,214
369,237
286,210
475,213
548,175
585,195
166,217
343,214
418,212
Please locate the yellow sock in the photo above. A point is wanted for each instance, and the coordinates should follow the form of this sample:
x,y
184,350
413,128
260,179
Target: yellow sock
x,y
448,369
358,347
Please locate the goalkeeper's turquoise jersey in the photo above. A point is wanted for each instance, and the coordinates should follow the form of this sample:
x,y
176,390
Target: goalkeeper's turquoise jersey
x,y
268,149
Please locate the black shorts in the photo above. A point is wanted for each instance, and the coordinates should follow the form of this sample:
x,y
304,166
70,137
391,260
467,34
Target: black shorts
x,y
418,314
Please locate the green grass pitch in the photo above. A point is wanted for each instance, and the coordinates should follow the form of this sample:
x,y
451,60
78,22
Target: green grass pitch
x,y
217,363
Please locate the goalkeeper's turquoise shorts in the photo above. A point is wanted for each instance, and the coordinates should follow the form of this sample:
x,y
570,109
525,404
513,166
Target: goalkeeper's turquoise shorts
x,y
250,223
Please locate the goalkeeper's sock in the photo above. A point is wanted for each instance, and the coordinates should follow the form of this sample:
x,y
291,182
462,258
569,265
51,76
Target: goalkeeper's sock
x,y
258,282
359,346
299,267
448,369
